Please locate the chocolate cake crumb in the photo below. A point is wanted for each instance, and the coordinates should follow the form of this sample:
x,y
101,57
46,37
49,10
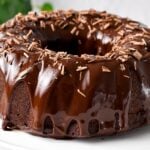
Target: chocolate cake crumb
x,y
73,129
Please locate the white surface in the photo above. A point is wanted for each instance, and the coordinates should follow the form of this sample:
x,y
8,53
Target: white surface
x,y
135,9
138,139
135,140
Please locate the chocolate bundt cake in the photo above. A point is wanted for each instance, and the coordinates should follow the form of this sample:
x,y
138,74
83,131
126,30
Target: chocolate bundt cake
x,y
74,74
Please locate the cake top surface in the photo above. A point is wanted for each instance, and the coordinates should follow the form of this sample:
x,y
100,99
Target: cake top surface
x,y
95,36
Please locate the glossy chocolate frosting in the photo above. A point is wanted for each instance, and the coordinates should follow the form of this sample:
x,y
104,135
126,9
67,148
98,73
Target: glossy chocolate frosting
x,y
74,74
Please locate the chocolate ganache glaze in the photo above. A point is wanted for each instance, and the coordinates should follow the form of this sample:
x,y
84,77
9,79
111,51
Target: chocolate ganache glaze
x,y
74,74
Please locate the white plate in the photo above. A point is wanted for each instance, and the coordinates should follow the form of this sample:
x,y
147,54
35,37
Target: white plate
x,y
138,139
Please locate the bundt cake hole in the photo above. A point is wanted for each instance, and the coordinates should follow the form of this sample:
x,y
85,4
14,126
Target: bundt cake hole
x,y
71,44
93,126
74,46
73,129
48,125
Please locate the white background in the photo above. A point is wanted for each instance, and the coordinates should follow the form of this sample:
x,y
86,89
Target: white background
x,y
138,139
135,9
135,140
